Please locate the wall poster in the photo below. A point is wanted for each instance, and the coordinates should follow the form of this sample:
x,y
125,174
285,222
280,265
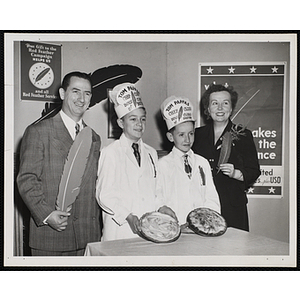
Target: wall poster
x,y
40,71
261,93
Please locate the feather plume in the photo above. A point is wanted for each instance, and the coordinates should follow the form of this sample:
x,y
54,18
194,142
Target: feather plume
x,y
42,74
202,174
243,106
74,169
50,110
225,149
108,77
133,99
180,112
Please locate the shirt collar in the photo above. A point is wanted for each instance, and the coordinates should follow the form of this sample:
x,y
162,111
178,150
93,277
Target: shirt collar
x,y
70,123
129,142
69,120
179,153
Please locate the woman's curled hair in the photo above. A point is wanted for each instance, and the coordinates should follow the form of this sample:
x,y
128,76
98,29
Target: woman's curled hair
x,y
213,88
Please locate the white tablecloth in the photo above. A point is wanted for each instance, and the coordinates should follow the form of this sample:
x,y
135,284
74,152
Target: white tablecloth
x,y
233,242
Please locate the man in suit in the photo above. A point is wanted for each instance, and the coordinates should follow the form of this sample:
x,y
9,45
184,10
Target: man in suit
x,y
44,150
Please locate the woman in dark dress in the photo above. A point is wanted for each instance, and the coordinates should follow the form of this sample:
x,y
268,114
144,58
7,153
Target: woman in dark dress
x,y
236,173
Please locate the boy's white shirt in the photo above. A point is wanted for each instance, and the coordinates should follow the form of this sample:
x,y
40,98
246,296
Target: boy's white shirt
x,y
180,193
123,187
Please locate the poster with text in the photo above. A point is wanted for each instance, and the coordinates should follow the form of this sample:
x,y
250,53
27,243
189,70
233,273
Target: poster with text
x,y
261,93
40,71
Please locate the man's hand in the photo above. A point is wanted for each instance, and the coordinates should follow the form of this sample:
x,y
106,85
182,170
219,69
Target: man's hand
x,y
134,223
168,211
58,220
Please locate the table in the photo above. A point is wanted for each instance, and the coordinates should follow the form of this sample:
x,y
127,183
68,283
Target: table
x,y
233,242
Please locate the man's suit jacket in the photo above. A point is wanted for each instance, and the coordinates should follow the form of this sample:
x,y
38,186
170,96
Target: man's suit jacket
x,y
44,149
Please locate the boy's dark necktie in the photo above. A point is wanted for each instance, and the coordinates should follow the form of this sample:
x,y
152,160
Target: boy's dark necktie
x,y
187,166
136,153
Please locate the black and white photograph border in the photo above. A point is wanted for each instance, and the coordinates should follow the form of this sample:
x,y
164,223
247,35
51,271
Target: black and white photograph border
x,y
13,129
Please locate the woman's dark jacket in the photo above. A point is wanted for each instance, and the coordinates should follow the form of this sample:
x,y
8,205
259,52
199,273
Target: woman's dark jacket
x,y
243,156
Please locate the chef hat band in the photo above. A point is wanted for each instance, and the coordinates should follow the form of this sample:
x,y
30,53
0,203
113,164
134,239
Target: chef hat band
x,y
125,98
176,110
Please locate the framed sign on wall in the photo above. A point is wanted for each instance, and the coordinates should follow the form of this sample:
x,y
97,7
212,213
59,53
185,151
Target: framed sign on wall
x,y
40,71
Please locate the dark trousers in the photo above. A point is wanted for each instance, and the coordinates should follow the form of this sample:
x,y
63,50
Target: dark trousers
x,y
37,252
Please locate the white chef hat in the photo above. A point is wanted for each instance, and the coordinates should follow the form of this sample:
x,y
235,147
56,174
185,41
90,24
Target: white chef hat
x,y
176,110
125,98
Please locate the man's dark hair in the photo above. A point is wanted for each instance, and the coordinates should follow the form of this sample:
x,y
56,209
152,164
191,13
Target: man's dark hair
x,y
67,78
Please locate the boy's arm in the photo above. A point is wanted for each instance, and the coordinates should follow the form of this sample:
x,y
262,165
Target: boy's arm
x,y
161,198
108,193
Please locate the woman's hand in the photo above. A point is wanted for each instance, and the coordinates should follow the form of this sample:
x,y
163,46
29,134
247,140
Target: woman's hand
x,y
134,223
168,211
229,170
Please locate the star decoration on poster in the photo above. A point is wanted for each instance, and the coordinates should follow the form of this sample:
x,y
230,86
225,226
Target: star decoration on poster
x,y
209,70
271,190
251,190
264,190
242,70
231,70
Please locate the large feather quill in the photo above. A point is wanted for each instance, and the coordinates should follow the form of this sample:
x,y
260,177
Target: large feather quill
x,y
73,169
225,149
108,77
50,110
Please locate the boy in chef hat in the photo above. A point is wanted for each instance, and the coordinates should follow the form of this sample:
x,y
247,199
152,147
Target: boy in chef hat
x,y
185,179
127,171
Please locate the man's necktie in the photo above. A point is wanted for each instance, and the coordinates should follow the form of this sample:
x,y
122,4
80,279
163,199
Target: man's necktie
x,y
187,166
77,128
136,153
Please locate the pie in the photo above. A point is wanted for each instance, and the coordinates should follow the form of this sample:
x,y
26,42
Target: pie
x,y
159,228
206,222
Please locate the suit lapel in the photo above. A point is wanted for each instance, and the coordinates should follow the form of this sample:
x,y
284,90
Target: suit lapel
x,y
131,156
147,161
128,150
60,137
144,155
